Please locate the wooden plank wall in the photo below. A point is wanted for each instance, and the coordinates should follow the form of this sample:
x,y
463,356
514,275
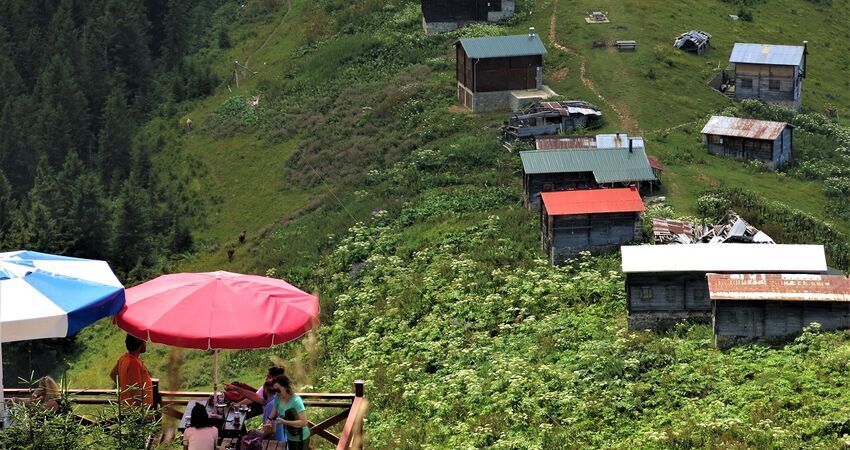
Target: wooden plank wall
x,y
773,319
667,292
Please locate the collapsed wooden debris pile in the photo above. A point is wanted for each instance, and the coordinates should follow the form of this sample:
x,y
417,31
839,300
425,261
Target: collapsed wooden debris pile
x,y
734,229
542,118
693,41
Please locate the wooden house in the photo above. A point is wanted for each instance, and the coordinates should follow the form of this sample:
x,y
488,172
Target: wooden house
x,y
775,307
666,284
440,16
500,72
749,139
591,220
773,73
584,162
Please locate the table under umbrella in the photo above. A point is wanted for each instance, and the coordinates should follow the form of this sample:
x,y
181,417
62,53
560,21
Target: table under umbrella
x,y
218,310
51,296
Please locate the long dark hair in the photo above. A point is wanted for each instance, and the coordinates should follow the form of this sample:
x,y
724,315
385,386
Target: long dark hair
x,y
284,382
200,418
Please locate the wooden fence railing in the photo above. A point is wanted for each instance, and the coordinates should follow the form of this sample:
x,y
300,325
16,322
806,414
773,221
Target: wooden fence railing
x,y
352,405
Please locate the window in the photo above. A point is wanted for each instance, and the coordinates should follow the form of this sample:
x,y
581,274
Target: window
x,y
773,85
746,83
670,294
646,293
715,139
548,187
699,294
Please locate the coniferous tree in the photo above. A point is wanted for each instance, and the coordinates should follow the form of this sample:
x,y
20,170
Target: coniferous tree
x,y
113,143
8,211
132,225
11,83
62,122
41,229
85,214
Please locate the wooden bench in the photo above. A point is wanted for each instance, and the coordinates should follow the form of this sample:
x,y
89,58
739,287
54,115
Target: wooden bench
x,y
626,45
267,444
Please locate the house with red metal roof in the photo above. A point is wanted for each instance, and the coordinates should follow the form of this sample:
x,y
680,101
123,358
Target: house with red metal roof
x,y
770,307
749,139
588,220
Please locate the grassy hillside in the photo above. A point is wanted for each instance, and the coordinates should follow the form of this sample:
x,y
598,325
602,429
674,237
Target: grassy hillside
x,y
357,177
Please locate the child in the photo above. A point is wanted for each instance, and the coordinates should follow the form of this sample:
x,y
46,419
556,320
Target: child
x,y
200,434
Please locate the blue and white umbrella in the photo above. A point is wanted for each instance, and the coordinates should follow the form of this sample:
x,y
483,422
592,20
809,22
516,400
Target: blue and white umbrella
x,y
49,296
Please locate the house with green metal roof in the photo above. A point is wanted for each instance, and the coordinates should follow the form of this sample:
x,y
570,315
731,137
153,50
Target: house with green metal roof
x,y
500,72
585,168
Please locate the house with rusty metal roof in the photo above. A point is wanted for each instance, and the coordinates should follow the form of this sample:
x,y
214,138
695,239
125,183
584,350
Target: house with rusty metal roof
x,y
594,162
773,73
500,72
770,307
749,139
590,220
666,284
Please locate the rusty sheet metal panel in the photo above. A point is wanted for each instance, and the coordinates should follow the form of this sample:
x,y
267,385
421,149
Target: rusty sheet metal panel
x,y
782,287
744,128
557,143
664,226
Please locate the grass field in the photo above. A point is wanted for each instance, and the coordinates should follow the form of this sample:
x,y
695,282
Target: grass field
x,y
368,70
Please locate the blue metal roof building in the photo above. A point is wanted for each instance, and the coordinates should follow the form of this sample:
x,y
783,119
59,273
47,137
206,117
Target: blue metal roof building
x,y
503,46
775,55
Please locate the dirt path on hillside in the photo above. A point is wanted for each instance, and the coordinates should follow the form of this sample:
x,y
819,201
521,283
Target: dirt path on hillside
x,y
271,35
626,120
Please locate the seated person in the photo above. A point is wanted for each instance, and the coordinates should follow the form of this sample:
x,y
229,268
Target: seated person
x,y
255,399
47,394
200,434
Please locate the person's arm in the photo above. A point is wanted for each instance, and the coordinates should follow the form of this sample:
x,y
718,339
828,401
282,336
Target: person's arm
x,y
300,422
113,375
250,395
187,436
302,415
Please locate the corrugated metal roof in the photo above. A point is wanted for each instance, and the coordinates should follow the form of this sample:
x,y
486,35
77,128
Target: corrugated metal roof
x,y
780,55
598,141
745,128
752,258
655,163
608,165
660,225
557,143
503,46
782,287
593,201
566,109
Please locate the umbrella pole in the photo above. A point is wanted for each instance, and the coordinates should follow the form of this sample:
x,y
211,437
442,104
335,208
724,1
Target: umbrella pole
x,y
2,396
215,371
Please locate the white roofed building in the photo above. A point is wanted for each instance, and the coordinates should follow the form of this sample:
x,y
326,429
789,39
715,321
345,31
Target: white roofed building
x,y
666,284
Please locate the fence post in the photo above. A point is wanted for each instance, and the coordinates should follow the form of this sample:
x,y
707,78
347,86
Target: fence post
x,y
157,397
359,392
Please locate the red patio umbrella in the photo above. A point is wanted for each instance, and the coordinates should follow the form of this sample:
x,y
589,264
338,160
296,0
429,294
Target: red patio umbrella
x,y
218,310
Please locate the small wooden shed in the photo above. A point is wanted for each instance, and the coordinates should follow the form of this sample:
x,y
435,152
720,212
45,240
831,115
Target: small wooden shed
x,y
749,139
666,284
584,162
773,73
440,16
774,307
592,220
489,68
